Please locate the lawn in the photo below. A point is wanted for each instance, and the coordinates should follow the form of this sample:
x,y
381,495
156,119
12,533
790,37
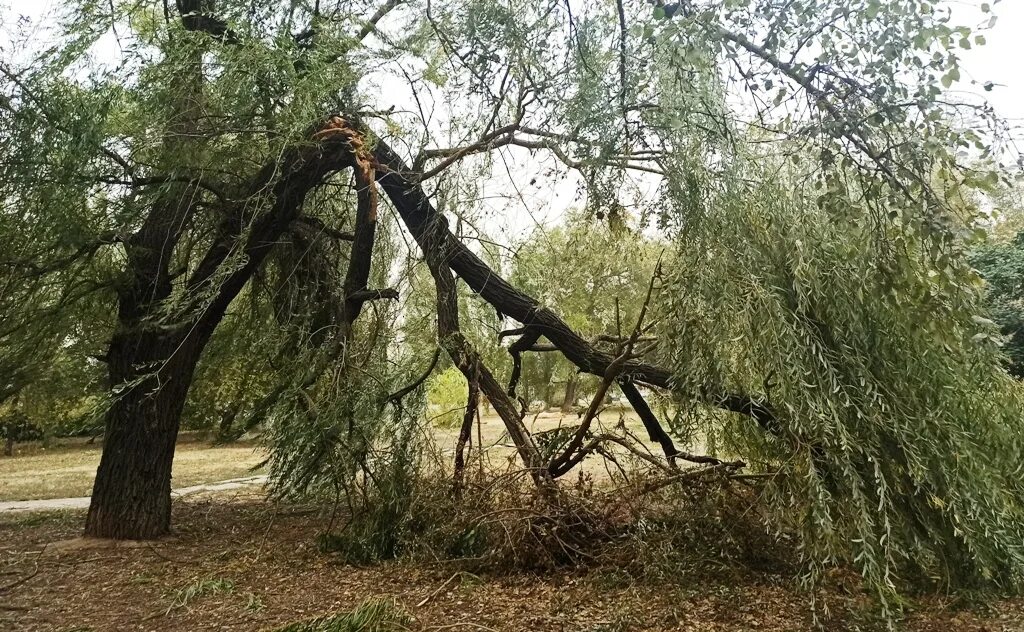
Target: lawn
x,y
67,471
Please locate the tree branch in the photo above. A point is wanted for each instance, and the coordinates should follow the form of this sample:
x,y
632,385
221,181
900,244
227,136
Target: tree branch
x,y
396,397
428,226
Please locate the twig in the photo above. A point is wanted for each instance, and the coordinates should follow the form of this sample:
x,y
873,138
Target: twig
x,y
438,591
573,454
19,582
397,396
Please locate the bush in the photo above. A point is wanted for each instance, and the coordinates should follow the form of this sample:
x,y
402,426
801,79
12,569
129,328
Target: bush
x,y
446,397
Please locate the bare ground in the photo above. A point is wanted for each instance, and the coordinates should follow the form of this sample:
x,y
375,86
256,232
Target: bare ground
x,y
240,563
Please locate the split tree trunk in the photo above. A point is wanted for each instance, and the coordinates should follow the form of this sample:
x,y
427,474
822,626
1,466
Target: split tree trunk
x,y
154,362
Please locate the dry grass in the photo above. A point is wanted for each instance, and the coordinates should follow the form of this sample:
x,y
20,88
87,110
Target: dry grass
x,y
68,471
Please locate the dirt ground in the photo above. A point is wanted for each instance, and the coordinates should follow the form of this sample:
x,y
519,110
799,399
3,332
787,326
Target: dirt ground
x,y
240,563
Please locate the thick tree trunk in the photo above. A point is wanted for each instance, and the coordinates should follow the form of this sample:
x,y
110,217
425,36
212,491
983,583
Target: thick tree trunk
x,y
131,498
154,361
227,423
149,366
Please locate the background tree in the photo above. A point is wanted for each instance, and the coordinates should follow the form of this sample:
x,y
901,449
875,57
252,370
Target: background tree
x,y
603,270
1002,267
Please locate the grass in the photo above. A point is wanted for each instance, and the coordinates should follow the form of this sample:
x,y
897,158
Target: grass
x,y
373,615
200,588
68,471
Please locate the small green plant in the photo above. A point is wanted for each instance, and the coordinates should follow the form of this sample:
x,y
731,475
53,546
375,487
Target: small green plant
x,y
200,588
254,603
373,615
141,578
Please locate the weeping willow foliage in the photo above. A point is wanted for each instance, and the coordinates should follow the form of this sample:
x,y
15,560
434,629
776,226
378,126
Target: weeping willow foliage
x,y
329,424
898,436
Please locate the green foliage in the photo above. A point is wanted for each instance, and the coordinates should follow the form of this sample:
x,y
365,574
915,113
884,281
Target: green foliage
x,y
382,505
202,587
1002,267
897,440
15,427
373,615
602,270
446,396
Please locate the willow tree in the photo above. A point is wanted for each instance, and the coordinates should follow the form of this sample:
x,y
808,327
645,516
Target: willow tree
x,y
790,151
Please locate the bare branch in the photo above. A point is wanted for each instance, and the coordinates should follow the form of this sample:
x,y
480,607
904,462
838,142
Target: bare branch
x,y
396,397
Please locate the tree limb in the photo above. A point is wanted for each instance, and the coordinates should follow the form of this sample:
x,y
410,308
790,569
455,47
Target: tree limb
x,y
396,397
425,223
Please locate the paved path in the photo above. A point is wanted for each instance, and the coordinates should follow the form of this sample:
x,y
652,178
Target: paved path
x,y
83,502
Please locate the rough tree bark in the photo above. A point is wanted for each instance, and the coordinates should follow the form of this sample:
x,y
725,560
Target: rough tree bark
x,y
436,251
152,363
569,400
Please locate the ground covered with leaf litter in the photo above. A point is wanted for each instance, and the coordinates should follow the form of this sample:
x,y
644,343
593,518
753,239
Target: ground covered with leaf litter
x,y
245,564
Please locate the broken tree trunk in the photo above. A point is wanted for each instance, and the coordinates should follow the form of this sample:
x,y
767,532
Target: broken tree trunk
x,y
428,226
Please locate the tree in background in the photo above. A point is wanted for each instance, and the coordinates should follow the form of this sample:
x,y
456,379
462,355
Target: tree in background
x,y
1002,267
603,270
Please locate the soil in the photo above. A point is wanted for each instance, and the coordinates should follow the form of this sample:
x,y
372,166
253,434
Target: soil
x,y
238,562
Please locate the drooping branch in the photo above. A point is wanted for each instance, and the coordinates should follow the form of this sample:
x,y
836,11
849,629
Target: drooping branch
x,y
426,223
516,349
436,250
654,430
363,296
851,132
396,397
466,430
